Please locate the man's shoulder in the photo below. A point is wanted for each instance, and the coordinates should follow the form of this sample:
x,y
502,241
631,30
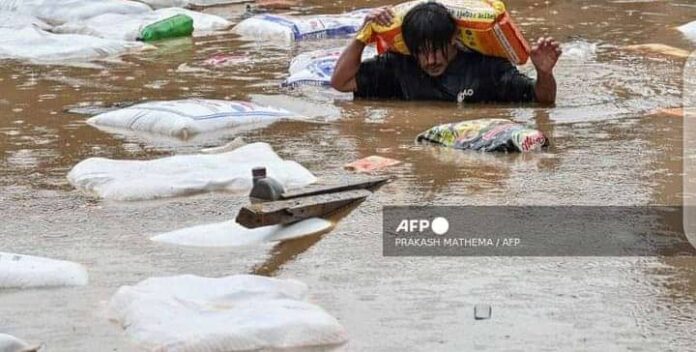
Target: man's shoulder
x,y
390,61
392,57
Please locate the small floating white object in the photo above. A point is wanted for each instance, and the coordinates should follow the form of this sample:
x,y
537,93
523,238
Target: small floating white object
x,y
277,28
57,12
182,175
231,234
689,30
25,271
129,27
579,50
36,45
233,313
188,117
10,343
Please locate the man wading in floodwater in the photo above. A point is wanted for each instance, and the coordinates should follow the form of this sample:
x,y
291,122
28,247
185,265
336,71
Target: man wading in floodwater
x,y
440,69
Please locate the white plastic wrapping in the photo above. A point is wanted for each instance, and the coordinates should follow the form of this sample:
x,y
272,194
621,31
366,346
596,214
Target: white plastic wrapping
x,y
25,271
188,117
19,21
34,44
158,4
315,68
234,313
182,175
277,28
57,12
129,27
689,30
10,343
231,234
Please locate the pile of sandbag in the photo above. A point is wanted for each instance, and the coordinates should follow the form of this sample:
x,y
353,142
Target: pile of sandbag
x,y
277,28
233,313
188,117
315,68
27,38
78,30
25,271
132,26
181,175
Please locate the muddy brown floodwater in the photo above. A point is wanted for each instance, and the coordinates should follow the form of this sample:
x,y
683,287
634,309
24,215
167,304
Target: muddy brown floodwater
x,y
608,148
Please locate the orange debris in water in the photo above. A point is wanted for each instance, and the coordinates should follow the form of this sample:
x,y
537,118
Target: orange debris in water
x,y
371,163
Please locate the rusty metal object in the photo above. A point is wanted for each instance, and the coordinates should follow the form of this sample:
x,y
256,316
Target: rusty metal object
x,y
342,184
296,209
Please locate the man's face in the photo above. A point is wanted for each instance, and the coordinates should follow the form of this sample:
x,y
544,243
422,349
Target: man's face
x,y
435,62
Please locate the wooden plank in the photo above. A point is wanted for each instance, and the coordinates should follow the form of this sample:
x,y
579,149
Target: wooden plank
x,y
292,210
337,185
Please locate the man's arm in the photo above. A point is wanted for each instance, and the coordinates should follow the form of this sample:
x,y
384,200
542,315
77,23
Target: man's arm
x,y
348,64
347,67
544,55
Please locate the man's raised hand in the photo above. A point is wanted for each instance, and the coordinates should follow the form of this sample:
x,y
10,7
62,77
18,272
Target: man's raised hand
x,y
383,16
545,54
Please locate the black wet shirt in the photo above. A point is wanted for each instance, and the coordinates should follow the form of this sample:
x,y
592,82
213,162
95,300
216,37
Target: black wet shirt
x,y
470,77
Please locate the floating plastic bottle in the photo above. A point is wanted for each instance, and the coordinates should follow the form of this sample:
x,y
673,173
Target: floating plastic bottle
x,y
172,27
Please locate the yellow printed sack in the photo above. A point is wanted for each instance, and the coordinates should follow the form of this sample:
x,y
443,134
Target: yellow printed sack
x,y
484,26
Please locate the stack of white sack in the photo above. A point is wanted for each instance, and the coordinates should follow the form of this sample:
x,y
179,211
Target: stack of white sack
x,y
286,29
315,68
188,117
189,313
181,175
36,45
56,12
26,271
129,27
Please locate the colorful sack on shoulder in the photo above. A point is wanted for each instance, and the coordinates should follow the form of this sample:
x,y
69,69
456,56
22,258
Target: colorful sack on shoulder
x,y
488,135
483,26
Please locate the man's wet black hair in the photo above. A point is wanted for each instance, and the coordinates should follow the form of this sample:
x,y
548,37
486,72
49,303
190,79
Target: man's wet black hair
x,y
428,27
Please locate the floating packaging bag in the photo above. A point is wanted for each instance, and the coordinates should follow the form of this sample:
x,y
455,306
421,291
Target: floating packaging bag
x,y
483,25
276,28
57,12
184,175
190,313
188,117
488,135
315,68
25,271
